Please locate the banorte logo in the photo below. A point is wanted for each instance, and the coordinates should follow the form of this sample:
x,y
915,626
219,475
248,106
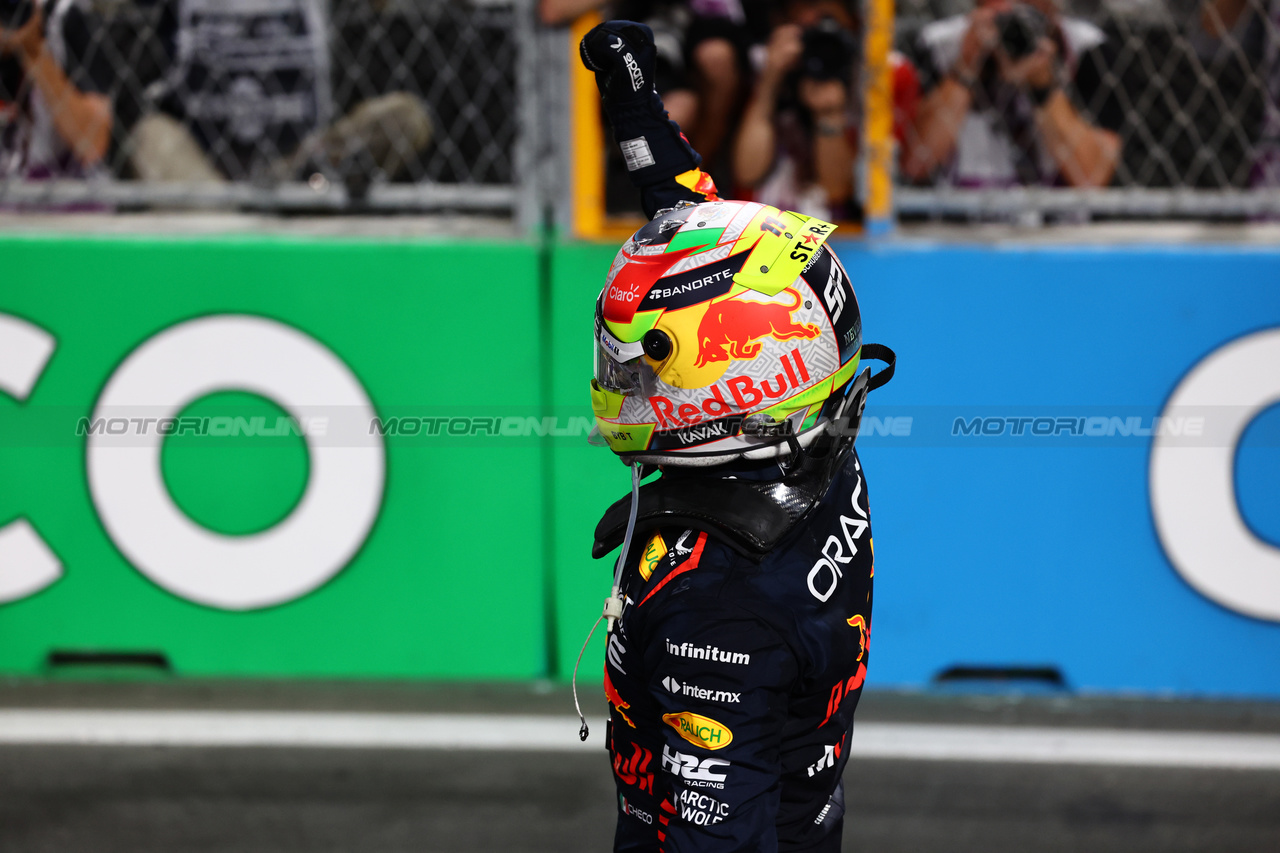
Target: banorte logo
x,y
699,730
732,328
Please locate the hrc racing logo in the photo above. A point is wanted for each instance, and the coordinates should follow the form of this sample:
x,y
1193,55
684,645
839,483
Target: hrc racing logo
x,y
699,730
697,773
628,809
700,693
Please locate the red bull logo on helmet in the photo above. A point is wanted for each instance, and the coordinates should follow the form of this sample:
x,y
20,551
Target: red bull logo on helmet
x,y
732,328
744,391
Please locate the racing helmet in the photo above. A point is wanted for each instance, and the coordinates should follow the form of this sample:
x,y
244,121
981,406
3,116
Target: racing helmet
x,y
724,330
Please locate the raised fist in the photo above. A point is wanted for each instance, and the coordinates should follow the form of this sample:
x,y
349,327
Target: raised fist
x,y
622,55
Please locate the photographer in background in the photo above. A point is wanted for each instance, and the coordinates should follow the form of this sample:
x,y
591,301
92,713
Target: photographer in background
x,y
997,111
701,58
798,140
53,120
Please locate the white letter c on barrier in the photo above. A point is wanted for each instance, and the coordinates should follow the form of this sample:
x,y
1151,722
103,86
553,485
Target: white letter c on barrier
x,y
344,490
1193,499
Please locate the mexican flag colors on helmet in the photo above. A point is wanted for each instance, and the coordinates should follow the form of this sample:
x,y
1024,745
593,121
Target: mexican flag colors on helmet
x,y
722,328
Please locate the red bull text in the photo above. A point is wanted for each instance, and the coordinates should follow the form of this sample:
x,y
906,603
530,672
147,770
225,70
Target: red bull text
x,y
744,391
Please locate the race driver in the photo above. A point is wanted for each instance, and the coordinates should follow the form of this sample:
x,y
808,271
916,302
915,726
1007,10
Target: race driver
x,y
728,344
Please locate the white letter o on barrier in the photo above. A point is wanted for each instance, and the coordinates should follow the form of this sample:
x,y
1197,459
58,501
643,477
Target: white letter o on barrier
x,y
344,490
1193,496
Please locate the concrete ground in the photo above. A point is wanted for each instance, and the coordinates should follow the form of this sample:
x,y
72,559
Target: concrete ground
x,y
57,797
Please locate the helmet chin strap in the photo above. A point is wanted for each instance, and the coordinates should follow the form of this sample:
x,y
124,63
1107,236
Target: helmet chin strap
x,y
613,604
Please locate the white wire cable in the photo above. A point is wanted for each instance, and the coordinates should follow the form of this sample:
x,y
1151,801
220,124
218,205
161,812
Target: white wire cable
x,y
612,604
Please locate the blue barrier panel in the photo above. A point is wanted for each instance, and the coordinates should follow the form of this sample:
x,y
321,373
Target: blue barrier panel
x,y
1010,464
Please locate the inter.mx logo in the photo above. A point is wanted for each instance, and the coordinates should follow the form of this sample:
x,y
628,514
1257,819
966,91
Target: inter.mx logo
x,y
163,375
699,693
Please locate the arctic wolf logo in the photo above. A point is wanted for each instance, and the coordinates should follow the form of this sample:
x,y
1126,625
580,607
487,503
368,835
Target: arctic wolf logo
x,y
731,329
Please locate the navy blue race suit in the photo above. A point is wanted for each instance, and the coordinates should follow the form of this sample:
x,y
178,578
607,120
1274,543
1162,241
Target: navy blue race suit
x,y
732,684
734,671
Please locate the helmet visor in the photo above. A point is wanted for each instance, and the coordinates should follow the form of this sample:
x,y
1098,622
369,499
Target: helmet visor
x,y
620,367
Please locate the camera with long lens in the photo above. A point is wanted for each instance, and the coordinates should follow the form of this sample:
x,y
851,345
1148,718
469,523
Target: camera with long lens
x,y
828,51
1021,29
15,13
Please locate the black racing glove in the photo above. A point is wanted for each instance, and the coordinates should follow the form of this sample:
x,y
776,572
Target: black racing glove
x,y
623,57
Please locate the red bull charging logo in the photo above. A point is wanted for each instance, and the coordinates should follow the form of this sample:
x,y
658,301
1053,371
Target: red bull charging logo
x,y
731,329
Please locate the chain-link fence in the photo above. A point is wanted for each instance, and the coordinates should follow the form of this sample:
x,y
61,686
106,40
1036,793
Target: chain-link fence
x,y
1117,108
268,104
1062,110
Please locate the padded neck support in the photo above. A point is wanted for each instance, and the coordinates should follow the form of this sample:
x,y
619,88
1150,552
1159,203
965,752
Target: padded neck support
x,y
750,516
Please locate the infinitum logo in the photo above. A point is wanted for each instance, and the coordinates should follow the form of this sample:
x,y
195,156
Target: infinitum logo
x,y
685,650
699,693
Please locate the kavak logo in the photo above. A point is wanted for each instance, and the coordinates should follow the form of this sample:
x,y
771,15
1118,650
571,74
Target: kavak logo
x,y
699,730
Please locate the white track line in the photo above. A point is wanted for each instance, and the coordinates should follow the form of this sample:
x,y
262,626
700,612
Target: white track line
x,y
911,741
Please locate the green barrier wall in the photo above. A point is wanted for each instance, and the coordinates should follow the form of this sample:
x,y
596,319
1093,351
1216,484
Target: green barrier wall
x,y
451,580
585,479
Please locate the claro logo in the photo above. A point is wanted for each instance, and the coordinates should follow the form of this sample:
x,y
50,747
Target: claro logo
x,y
699,730
1193,500
164,374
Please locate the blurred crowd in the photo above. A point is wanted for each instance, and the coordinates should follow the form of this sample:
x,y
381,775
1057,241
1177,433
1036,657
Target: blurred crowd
x,y
260,91
1004,93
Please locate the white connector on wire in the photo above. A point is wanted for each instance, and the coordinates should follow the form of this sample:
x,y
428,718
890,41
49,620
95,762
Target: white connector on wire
x,y
613,605
612,609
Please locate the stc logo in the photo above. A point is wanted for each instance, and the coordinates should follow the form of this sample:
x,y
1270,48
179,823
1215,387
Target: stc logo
x,y
164,374
1193,498
699,730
